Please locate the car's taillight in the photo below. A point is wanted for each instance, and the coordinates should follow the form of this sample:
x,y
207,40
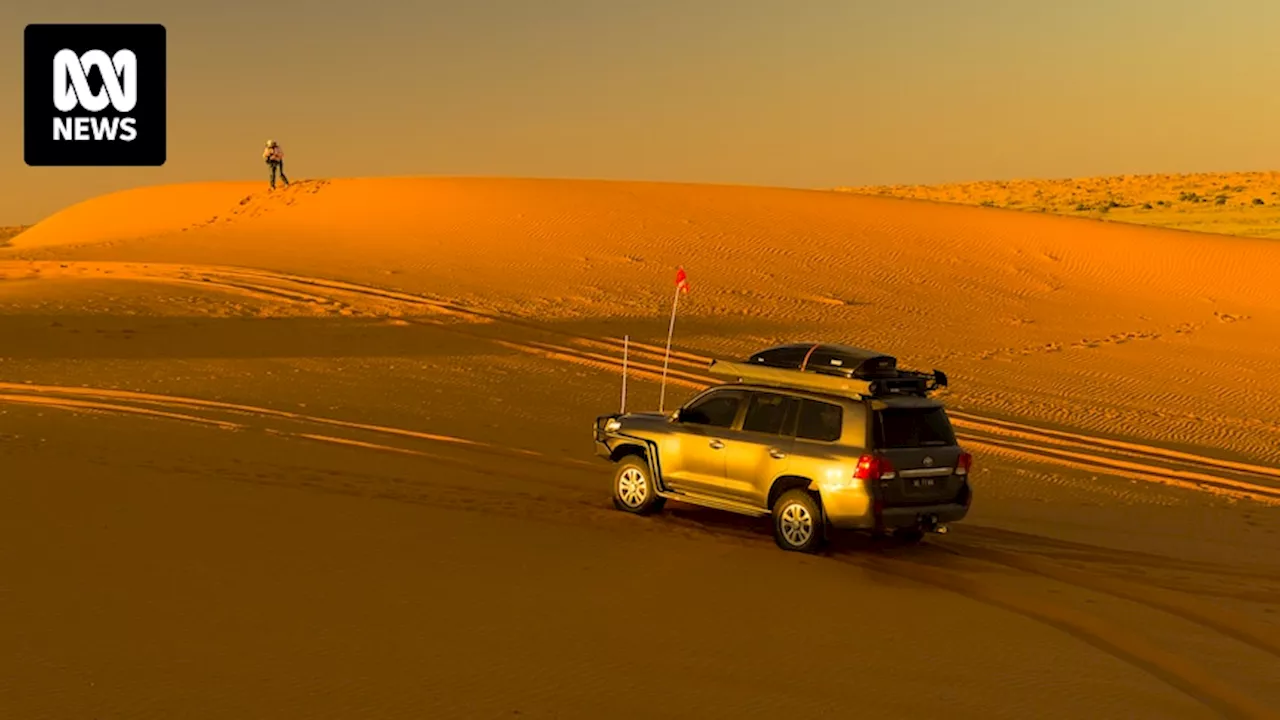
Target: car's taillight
x,y
964,463
872,467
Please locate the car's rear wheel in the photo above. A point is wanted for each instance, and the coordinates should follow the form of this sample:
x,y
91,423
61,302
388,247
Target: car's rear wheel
x,y
633,488
798,522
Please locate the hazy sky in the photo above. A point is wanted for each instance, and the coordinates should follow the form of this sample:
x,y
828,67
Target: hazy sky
x,y
808,93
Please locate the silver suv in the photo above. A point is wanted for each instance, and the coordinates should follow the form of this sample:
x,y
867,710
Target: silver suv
x,y
816,435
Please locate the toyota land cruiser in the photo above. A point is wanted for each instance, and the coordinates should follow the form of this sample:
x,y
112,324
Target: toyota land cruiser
x,y
815,435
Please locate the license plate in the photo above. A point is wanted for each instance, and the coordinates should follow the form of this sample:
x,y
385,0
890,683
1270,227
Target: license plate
x,y
924,484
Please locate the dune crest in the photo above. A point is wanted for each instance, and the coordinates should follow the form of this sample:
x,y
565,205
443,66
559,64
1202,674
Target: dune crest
x,y
775,236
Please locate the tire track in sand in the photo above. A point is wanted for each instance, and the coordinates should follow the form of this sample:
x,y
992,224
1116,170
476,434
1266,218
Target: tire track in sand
x,y
125,401
1120,642
1175,605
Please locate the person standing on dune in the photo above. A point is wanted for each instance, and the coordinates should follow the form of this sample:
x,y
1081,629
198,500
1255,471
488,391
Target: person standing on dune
x,y
275,159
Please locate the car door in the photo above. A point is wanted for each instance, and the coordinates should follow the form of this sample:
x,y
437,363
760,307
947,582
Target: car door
x,y
760,449
693,458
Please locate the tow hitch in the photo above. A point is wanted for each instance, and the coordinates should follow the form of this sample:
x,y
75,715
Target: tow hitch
x,y
929,523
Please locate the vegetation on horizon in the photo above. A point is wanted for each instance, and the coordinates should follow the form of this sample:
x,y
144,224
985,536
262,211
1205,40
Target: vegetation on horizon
x,y
8,233
1245,204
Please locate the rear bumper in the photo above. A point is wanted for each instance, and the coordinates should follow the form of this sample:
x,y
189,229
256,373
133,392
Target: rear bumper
x,y
900,517
852,509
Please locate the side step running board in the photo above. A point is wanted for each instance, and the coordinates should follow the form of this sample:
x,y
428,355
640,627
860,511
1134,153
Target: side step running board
x,y
716,503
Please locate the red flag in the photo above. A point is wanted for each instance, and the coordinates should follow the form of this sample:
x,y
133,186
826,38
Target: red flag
x,y
682,280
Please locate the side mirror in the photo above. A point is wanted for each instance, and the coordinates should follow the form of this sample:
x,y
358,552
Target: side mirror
x,y
677,414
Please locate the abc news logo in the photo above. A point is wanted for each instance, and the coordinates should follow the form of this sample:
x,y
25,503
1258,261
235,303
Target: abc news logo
x,y
108,101
71,91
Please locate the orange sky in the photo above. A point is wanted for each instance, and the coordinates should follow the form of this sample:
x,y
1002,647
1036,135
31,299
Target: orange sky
x,y
809,93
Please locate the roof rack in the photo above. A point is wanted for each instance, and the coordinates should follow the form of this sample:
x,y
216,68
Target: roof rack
x,y
826,367
795,379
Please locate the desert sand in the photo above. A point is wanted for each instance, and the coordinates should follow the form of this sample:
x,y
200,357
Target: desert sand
x,y
324,452
1226,203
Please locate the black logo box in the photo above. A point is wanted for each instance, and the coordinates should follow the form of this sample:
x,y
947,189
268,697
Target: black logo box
x,y
42,42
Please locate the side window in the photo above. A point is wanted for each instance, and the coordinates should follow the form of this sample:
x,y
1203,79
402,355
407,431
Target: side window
x,y
769,413
819,421
717,410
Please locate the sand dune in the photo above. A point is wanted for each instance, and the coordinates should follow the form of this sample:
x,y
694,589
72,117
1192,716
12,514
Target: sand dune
x,y
355,411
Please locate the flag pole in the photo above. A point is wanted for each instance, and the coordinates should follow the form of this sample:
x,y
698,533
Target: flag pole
x,y
662,398
626,340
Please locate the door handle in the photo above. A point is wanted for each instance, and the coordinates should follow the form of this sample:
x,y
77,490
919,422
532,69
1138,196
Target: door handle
x,y
776,454
716,444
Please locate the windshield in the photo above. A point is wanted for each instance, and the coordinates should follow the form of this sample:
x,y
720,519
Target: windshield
x,y
913,427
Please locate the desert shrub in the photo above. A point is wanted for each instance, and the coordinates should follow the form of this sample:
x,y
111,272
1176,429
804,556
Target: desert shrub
x,y
1146,206
1220,200
1081,207
1189,197
1258,201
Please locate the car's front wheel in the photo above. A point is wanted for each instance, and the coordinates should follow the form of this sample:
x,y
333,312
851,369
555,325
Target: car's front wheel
x,y
798,522
633,488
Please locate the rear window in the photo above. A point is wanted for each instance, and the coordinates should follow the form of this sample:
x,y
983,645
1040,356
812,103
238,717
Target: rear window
x,y
913,427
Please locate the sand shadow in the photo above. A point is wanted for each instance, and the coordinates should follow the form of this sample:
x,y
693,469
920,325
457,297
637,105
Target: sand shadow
x,y
123,337
840,543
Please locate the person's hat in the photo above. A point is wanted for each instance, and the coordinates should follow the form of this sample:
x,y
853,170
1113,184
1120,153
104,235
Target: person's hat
x,y
271,143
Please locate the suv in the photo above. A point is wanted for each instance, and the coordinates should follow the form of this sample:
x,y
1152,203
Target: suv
x,y
816,435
